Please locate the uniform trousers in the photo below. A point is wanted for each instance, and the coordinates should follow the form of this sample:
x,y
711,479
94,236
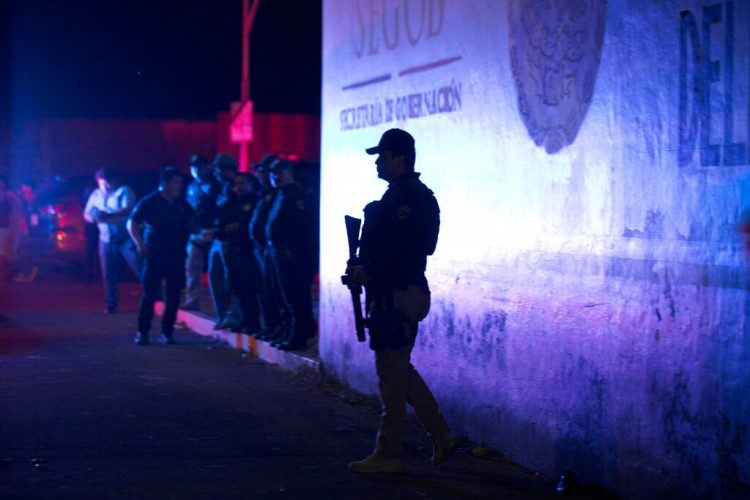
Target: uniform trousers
x,y
226,307
268,301
172,271
294,279
245,281
197,255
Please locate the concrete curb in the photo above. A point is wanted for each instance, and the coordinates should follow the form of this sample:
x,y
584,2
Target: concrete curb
x,y
204,325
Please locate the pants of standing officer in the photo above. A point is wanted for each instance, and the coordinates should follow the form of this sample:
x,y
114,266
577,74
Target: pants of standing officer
x,y
172,271
197,253
268,296
218,280
400,382
110,259
295,280
243,274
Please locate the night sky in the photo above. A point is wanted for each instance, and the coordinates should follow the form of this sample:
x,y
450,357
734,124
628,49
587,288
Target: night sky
x,y
157,59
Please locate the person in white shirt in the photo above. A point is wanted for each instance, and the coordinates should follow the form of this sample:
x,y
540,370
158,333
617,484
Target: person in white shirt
x,y
109,207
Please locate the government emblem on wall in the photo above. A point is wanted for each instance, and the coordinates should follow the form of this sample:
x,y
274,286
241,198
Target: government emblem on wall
x,y
555,48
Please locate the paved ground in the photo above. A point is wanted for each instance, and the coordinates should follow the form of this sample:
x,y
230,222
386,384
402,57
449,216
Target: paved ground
x,y
84,413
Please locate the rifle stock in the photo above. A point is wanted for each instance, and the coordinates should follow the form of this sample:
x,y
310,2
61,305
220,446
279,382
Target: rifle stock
x,y
353,226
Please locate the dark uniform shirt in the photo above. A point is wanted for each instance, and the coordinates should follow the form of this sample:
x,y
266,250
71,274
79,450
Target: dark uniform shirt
x,y
396,235
238,210
290,224
259,219
226,193
167,225
202,196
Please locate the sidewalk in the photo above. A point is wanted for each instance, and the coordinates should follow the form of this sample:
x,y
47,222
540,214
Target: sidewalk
x,y
203,325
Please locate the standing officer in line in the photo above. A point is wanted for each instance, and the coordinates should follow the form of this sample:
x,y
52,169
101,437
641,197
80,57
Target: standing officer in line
x,y
398,234
257,230
290,237
201,194
225,301
233,220
109,207
160,225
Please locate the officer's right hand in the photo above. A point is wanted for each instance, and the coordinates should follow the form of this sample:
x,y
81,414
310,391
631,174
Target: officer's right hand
x,y
208,234
358,275
143,250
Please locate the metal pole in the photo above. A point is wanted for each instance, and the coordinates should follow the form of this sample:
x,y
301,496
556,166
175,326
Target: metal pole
x,y
248,18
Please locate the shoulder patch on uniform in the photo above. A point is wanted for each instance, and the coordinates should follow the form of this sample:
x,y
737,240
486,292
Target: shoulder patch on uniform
x,y
247,207
301,204
403,212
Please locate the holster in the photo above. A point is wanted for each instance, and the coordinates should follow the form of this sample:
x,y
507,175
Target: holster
x,y
389,328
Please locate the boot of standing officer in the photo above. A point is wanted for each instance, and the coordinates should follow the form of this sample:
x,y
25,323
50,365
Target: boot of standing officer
x,y
291,240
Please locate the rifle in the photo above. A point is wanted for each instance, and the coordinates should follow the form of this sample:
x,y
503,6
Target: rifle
x,y
352,234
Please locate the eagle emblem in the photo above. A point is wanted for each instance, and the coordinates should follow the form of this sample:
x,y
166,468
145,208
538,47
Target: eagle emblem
x,y
555,48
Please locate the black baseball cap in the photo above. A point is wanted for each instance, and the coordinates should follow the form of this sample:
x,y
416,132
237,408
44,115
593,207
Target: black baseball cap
x,y
280,164
197,161
395,140
225,160
265,163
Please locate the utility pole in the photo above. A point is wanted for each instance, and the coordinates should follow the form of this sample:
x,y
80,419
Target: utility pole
x,y
248,18
246,106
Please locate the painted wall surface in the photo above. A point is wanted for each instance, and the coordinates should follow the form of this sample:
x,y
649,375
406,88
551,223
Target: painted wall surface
x,y
4,147
592,161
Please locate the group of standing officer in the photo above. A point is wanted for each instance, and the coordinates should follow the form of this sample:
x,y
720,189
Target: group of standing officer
x,y
258,234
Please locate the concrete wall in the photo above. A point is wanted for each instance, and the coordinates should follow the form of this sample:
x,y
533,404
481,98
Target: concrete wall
x,y
590,306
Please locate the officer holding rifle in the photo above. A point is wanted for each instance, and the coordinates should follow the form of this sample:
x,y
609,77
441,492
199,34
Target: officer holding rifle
x,y
399,232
